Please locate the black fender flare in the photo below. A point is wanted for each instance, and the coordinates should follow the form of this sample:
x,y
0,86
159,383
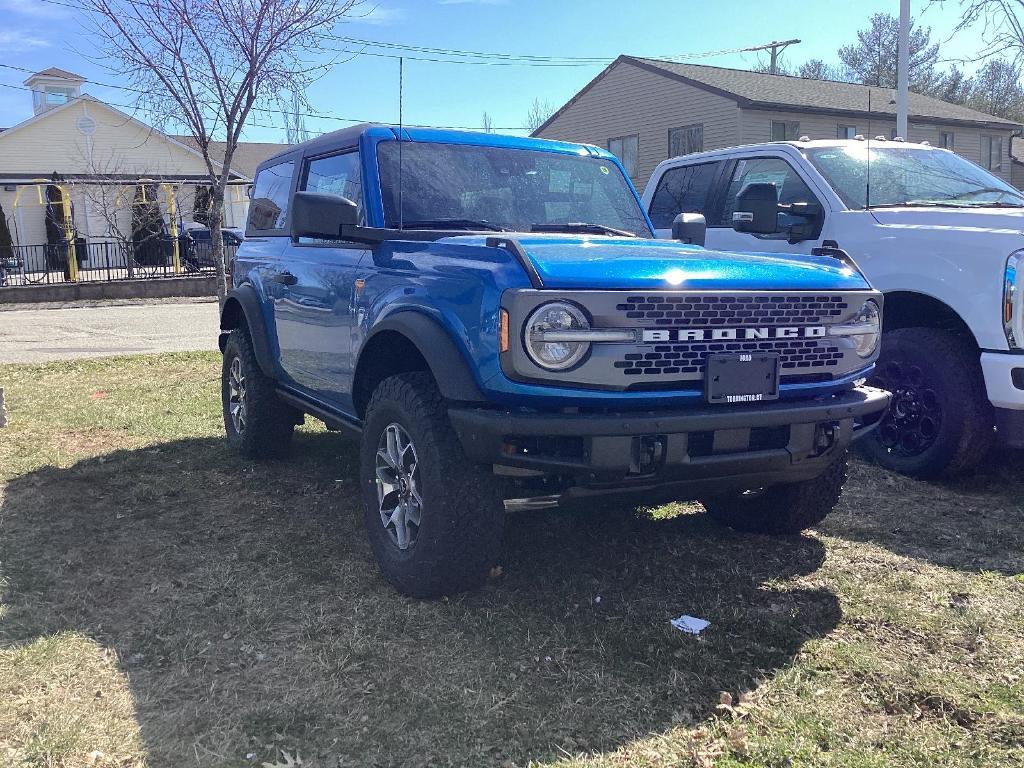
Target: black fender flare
x,y
447,363
243,303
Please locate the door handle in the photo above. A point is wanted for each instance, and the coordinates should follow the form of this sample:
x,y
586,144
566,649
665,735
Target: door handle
x,y
285,278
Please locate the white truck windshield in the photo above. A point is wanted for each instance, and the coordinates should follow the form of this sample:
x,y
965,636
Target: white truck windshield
x,y
906,176
487,187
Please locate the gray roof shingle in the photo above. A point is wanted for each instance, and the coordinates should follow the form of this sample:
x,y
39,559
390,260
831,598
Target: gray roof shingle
x,y
764,90
248,154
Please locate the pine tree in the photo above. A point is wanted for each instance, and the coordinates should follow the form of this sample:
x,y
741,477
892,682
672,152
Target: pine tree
x,y
147,227
6,241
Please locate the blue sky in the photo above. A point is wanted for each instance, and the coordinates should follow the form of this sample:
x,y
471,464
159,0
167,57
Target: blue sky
x,y
37,34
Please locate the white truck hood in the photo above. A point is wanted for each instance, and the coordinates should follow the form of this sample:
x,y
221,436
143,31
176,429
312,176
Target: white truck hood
x,y
995,222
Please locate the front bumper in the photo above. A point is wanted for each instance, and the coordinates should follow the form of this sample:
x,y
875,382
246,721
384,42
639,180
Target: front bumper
x,y
743,446
1004,379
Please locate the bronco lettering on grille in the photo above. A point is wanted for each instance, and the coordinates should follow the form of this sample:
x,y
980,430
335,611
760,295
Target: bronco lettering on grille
x,y
727,334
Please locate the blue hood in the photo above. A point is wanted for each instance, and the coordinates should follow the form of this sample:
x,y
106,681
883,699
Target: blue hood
x,y
580,261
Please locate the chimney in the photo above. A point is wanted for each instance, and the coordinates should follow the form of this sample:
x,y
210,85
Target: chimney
x,y
53,87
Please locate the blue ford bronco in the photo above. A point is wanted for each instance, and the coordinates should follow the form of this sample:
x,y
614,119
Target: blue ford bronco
x,y
495,319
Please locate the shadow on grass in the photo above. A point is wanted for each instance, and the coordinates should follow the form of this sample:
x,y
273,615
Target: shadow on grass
x,y
247,613
972,523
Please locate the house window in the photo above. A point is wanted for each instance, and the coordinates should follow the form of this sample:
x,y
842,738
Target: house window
x,y
269,207
992,152
56,96
785,130
846,131
946,139
626,148
686,140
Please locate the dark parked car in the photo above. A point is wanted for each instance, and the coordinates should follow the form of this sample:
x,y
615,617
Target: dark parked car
x,y
197,253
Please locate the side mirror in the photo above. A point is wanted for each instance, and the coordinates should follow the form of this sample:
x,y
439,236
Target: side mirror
x,y
757,209
321,214
689,228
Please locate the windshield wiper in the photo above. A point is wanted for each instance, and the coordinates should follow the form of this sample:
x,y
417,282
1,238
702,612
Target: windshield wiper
x,y
921,204
469,224
947,204
582,226
994,204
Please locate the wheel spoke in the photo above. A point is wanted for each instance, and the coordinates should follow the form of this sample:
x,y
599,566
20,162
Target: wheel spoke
x,y
401,505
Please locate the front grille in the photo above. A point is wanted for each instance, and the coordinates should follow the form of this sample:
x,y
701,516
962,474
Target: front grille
x,y
739,310
689,357
677,330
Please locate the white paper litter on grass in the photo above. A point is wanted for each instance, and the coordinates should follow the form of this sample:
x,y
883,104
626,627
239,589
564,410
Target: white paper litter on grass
x,y
691,625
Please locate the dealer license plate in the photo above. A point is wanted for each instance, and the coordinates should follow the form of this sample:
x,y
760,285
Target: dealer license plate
x,y
742,377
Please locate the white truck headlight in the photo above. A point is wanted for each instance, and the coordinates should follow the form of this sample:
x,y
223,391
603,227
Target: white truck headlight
x,y
865,329
555,336
1013,300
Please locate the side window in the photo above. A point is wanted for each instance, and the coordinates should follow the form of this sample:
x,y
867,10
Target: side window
x,y
687,188
773,170
339,175
269,207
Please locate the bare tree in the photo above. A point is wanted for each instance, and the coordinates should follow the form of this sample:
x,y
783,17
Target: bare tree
x,y
539,113
208,64
997,90
488,123
295,131
816,69
1001,23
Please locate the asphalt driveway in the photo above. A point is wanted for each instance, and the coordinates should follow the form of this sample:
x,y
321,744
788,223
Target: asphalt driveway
x,y
36,334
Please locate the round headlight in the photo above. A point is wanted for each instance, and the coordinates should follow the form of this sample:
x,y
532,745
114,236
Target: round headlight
x,y
544,327
870,317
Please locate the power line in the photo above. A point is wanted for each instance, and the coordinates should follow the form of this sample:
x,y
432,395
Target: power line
x,y
491,58
353,120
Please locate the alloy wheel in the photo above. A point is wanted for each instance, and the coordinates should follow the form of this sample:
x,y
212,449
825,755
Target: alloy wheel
x,y
912,423
398,486
236,396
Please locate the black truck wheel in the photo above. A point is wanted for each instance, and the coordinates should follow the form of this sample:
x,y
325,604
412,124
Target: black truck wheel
x,y
781,509
940,420
434,520
257,423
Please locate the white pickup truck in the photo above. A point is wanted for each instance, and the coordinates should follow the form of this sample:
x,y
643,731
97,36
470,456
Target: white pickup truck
x,y
942,238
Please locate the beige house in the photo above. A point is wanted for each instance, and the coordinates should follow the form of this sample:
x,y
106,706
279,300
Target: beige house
x,y
647,110
100,153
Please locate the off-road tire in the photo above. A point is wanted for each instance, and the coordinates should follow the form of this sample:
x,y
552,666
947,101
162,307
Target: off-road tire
x,y
781,509
269,422
949,367
462,517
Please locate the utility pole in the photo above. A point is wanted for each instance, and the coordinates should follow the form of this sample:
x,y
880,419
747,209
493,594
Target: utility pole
x,y
776,47
903,70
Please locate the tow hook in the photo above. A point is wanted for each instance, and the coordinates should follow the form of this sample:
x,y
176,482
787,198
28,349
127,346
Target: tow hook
x,y
825,437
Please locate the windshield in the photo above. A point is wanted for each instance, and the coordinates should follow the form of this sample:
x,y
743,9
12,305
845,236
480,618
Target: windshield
x,y
912,177
486,187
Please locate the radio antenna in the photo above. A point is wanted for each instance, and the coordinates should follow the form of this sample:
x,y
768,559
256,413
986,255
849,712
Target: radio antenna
x,y
867,187
401,131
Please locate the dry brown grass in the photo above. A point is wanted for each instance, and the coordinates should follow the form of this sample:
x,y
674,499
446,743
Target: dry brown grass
x,y
169,604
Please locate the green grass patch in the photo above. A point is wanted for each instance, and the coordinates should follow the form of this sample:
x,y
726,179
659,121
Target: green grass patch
x,y
164,603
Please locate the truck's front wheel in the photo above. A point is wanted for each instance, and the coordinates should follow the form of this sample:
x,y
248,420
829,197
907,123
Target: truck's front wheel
x,y
434,520
940,420
781,509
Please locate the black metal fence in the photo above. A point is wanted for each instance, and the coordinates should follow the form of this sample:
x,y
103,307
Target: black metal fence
x,y
106,261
